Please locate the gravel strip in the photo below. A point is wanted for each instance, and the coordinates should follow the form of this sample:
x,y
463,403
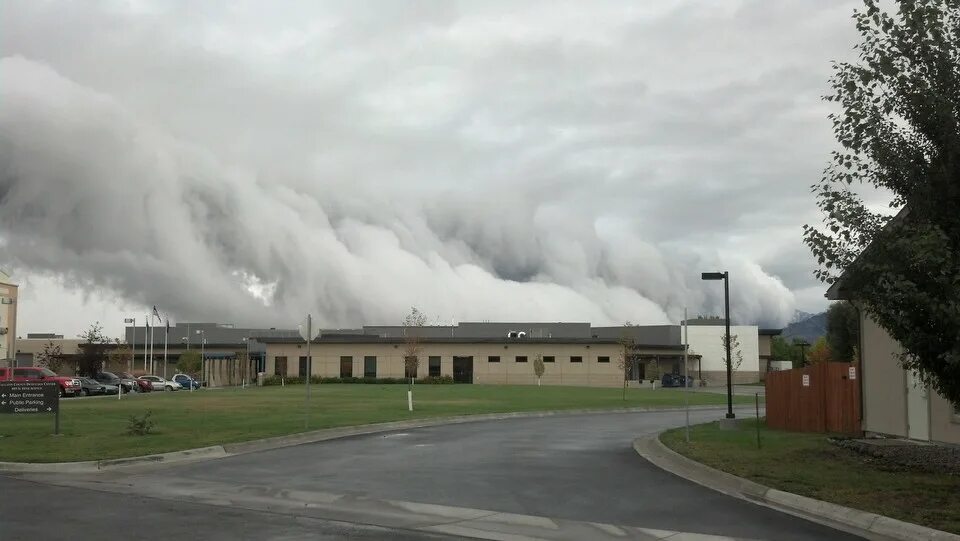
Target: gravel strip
x,y
902,455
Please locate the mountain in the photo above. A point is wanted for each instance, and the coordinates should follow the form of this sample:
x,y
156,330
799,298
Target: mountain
x,y
808,328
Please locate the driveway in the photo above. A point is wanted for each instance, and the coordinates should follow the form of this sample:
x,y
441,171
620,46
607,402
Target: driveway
x,y
561,477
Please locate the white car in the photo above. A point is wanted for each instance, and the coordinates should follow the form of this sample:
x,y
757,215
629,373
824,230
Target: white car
x,y
160,384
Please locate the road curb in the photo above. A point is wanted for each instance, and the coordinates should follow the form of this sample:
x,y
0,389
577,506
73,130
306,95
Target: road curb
x,y
289,440
869,525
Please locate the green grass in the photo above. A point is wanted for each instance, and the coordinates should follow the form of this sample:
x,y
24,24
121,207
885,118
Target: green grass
x,y
96,428
807,464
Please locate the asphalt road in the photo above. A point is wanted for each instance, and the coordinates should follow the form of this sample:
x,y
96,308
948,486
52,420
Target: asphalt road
x,y
576,470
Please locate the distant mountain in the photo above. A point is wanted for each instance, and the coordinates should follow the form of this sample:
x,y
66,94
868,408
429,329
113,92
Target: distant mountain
x,y
800,315
809,328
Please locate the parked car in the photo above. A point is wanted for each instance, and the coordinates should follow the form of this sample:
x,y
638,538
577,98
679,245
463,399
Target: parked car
x,y
186,381
69,386
675,380
91,387
142,386
160,384
111,379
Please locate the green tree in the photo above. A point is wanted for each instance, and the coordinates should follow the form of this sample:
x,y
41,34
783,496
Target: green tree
x,y
539,367
626,343
121,356
190,363
736,356
93,351
820,351
782,349
899,130
843,331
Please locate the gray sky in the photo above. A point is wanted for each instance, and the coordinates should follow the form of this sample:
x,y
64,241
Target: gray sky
x,y
248,162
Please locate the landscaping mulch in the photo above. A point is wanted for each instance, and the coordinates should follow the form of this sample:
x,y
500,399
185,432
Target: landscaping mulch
x,y
904,455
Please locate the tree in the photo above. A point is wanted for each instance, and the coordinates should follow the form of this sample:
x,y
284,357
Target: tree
x,y
93,351
821,352
121,357
899,131
51,356
623,357
190,363
843,331
413,325
783,350
736,356
539,367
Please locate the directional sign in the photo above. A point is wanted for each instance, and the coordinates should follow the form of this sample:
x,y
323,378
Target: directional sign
x,y
29,397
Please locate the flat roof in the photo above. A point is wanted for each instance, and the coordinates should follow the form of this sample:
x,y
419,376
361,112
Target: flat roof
x,y
373,339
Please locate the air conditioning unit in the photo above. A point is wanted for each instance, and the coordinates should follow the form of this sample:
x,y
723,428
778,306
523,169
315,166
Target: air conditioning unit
x,y
6,300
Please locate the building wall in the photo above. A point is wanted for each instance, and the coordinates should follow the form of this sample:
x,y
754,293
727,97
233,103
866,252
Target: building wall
x,y
706,340
591,372
8,318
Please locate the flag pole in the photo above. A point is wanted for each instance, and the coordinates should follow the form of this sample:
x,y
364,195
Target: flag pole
x,y
166,336
152,368
146,337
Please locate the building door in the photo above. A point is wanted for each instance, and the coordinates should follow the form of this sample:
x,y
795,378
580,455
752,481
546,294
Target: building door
x,y
346,367
463,369
918,408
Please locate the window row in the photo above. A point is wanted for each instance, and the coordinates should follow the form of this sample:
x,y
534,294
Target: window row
x,y
410,368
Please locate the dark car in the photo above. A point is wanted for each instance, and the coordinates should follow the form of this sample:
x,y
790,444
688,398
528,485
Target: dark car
x,y
675,380
91,387
186,381
138,384
109,378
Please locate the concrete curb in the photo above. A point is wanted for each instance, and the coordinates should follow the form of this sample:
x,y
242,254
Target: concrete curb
x,y
862,523
277,442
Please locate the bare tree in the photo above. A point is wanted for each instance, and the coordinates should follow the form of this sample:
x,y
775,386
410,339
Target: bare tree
x,y
623,358
413,325
539,367
736,356
51,356
121,357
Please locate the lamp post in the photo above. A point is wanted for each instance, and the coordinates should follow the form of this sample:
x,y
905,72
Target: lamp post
x,y
203,357
133,341
803,358
725,276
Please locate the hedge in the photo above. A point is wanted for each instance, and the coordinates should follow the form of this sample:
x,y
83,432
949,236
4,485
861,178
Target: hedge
x,y
433,380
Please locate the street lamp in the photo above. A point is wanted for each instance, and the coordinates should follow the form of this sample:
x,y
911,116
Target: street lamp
x,y
203,356
133,342
803,358
725,276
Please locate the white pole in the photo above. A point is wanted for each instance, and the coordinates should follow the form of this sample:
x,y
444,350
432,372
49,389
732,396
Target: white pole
x,y
146,335
152,367
306,411
166,336
409,400
686,377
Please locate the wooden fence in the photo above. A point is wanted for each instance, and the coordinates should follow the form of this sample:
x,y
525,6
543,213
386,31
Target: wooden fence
x,y
823,397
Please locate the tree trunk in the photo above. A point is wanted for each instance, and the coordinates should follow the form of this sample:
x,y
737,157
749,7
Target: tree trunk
x,y
538,381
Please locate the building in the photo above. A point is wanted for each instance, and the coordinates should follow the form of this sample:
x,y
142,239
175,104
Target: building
x,y
765,349
503,353
8,319
894,401
29,349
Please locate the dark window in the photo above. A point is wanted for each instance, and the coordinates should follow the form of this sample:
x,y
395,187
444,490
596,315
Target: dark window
x,y
434,366
603,359
370,367
522,359
346,367
410,367
280,366
303,367
493,359
576,359
549,359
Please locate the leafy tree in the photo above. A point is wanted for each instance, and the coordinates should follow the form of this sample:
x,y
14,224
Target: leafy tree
x,y
121,356
51,356
783,350
899,129
843,330
190,363
820,352
623,357
93,351
539,367
736,356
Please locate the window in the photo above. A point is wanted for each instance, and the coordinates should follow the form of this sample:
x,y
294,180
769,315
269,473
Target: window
x,y
549,359
370,367
434,366
303,367
279,366
576,359
493,359
410,367
603,359
521,359
346,367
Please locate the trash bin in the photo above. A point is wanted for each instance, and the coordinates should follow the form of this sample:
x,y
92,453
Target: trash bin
x,y
260,376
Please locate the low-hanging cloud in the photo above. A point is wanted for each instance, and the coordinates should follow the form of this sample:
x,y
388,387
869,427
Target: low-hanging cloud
x,y
249,166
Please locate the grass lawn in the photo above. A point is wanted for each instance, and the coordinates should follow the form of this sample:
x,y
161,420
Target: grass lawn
x,y
96,428
807,464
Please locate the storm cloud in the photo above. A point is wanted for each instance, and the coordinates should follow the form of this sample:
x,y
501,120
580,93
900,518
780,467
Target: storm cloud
x,y
517,161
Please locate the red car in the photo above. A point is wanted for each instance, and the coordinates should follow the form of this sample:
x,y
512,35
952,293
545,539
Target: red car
x,y
144,386
68,386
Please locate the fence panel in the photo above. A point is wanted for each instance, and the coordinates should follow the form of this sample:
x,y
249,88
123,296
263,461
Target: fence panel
x,y
817,398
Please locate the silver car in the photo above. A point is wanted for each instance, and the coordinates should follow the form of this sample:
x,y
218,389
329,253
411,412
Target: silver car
x,y
160,384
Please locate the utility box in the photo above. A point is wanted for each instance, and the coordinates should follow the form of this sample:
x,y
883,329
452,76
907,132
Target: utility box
x,y
260,376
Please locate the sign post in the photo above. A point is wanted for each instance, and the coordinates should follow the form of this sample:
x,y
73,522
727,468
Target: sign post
x,y
24,397
308,333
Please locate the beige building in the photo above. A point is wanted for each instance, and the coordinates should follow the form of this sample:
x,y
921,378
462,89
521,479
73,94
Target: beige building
x,y
8,319
894,401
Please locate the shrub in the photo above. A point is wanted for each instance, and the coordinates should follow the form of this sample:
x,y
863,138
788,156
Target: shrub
x,y
140,426
432,380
